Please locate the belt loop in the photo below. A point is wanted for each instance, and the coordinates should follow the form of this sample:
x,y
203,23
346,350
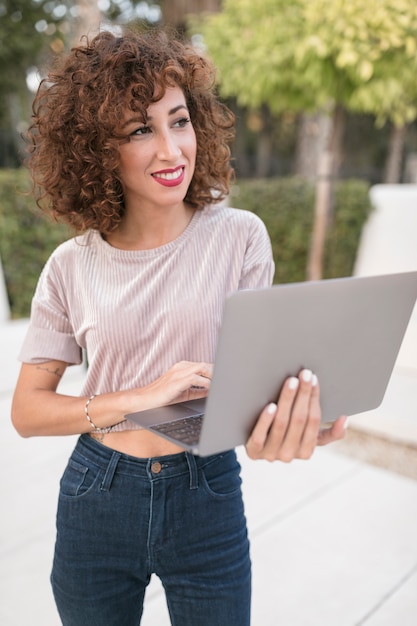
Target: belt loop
x,y
110,471
192,466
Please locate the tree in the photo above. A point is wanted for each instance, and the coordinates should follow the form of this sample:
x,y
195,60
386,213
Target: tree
x,y
25,26
33,29
21,40
318,56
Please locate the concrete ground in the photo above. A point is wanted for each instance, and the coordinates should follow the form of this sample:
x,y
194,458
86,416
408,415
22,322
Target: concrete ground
x,y
333,539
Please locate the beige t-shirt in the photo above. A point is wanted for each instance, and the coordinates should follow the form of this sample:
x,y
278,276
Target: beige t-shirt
x,y
137,312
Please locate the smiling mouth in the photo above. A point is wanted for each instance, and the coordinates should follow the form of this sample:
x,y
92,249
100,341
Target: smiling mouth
x,y
170,175
170,178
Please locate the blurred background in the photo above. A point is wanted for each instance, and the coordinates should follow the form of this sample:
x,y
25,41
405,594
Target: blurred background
x,y
325,97
302,75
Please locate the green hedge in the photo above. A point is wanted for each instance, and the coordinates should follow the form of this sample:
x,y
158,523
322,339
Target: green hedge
x,y
27,238
286,205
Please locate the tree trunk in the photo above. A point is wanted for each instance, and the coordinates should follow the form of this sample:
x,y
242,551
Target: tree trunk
x,y
264,144
15,115
328,166
313,132
175,12
335,146
395,155
87,21
321,216
239,148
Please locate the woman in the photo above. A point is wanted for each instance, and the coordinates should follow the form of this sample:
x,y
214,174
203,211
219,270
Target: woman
x,y
129,145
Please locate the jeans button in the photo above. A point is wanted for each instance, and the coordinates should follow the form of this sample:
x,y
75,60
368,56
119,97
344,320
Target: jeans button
x,y
156,467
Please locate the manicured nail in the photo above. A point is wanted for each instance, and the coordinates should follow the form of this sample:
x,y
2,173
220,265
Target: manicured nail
x,y
314,381
346,424
271,408
306,375
293,383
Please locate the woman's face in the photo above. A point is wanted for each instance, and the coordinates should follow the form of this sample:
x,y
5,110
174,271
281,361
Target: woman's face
x,y
157,162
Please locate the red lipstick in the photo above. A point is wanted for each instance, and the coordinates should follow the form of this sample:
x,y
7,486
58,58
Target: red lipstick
x,y
170,177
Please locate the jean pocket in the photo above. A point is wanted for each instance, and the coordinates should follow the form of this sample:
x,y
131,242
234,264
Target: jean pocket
x,y
221,477
78,479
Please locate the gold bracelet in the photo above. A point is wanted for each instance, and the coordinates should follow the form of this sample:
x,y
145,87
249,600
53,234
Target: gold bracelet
x,y
95,428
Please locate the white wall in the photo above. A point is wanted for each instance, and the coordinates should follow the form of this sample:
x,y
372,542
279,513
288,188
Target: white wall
x,y
389,244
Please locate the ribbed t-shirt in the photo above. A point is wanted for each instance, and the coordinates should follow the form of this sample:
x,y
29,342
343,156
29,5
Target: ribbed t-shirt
x,y
135,313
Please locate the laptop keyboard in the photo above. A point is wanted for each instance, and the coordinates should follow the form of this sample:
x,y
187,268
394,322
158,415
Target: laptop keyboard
x,y
186,430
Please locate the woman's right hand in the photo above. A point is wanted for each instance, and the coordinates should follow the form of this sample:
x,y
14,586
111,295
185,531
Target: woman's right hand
x,y
185,380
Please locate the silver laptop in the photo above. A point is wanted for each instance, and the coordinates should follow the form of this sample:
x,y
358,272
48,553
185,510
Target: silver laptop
x,y
348,331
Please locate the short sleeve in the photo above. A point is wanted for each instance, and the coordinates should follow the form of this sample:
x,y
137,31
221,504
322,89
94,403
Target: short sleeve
x,y
258,268
50,335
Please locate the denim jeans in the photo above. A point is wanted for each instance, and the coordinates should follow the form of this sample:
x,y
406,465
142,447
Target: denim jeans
x,y
121,518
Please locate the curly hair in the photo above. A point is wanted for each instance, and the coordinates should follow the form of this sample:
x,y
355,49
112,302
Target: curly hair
x,y
73,141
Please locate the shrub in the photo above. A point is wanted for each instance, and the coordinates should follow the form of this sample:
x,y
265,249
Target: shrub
x,y
352,207
27,238
286,205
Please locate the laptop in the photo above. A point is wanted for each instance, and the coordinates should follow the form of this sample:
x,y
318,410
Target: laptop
x,y
348,331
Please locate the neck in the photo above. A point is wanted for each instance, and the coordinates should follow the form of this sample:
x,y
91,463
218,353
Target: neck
x,y
147,230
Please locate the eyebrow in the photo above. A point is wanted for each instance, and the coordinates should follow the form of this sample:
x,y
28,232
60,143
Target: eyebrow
x,y
172,111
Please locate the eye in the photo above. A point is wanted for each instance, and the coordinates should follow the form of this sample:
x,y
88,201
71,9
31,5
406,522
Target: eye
x,y
143,130
182,123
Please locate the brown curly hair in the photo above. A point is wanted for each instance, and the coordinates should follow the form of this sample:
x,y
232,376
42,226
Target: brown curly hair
x,y
73,141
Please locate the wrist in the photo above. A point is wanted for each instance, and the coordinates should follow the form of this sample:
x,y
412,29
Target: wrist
x,y
102,412
94,428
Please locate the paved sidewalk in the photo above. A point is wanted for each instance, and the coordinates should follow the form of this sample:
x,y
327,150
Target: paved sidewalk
x,y
333,539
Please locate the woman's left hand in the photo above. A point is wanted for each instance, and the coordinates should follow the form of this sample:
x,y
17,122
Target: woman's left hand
x,y
291,429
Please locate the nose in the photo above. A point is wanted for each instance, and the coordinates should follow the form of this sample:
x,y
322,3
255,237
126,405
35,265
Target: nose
x,y
168,148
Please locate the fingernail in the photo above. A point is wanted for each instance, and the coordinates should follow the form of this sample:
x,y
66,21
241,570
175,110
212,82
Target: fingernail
x,y
306,375
346,424
314,381
293,383
271,408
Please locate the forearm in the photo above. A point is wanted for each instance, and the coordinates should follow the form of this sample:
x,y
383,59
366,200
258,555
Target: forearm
x,y
44,412
38,409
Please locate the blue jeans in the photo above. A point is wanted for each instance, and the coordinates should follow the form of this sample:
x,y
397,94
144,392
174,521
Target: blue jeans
x,y
122,518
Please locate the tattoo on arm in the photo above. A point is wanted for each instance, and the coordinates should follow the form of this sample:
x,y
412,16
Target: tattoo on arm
x,y
55,372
